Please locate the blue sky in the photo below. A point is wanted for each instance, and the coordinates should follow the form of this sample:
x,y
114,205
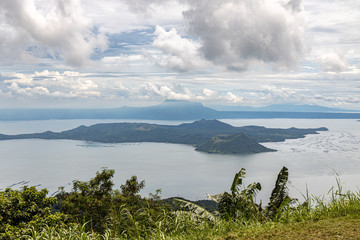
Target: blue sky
x,y
110,53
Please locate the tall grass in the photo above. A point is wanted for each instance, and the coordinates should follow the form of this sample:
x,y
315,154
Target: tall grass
x,y
181,224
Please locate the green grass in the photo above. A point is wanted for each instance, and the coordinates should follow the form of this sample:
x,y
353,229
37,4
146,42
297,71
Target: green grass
x,y
333,228
337,218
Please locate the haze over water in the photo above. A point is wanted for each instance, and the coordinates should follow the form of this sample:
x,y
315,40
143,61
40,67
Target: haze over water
x,y
179,170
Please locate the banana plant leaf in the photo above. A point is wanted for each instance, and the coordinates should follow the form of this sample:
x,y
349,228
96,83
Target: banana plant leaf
x,y
198,211
279,197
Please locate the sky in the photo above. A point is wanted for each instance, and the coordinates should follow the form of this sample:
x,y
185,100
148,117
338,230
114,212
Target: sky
x,y
112,53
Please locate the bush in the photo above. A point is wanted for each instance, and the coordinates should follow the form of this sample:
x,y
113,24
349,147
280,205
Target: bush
x,y
25,208
124,211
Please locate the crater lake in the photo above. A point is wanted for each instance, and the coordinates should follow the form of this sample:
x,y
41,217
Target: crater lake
x,y
178,169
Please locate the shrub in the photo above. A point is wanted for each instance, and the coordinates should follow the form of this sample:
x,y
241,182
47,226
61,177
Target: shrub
x,y
21,209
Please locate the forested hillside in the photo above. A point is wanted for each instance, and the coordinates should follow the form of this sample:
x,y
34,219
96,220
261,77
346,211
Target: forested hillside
x,y
195,133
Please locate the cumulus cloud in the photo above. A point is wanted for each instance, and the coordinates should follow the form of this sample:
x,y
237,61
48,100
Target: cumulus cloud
x,y
150,90
279,94
68,84
169,91
209,93
28,91
237,33
233,98
181,54
333,62
58,30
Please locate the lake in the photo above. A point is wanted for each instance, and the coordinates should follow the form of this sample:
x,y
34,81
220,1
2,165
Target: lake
x,y
179,170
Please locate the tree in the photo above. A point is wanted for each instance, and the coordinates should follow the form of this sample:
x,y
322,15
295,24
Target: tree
x,y
20,209
124,211
90,201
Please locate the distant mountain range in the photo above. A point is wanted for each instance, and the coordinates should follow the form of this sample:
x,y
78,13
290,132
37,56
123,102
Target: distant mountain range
x,y
281,108
210,136
178,110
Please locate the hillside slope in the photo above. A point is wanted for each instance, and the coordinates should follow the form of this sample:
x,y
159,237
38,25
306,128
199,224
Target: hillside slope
x,y
232,144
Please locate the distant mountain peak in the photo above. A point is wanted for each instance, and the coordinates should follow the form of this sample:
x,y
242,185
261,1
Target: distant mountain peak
x,y
177,103
282,108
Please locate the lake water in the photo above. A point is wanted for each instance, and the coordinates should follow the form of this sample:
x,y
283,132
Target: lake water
x,y
179,170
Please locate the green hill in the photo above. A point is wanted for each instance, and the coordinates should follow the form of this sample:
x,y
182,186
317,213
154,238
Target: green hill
x,y
232,144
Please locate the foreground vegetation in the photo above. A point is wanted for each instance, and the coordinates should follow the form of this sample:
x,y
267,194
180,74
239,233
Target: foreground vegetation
x,y
94,210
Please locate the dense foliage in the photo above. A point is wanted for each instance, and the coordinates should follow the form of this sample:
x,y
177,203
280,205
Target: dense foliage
x,y
92,204
28,207
96,203
94,210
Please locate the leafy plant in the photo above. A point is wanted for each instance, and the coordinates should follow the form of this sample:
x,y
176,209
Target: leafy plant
x,y
20,209
279,198
240,203
198,212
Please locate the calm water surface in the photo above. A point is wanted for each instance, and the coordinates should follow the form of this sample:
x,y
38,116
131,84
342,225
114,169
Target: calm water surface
x,y
179,170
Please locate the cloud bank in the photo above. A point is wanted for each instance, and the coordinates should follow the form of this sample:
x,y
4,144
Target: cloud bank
x,y
59,30
78,89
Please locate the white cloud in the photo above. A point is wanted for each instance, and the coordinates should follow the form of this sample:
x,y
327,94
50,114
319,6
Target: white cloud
x,y
237,33
233,34
333,62
28,91
68,84
22,79
59,29
181,54
168,91
209,93
233,98
151,90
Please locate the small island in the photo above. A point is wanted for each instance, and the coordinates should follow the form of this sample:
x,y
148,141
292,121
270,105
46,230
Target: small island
x,y
211,136
232,144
